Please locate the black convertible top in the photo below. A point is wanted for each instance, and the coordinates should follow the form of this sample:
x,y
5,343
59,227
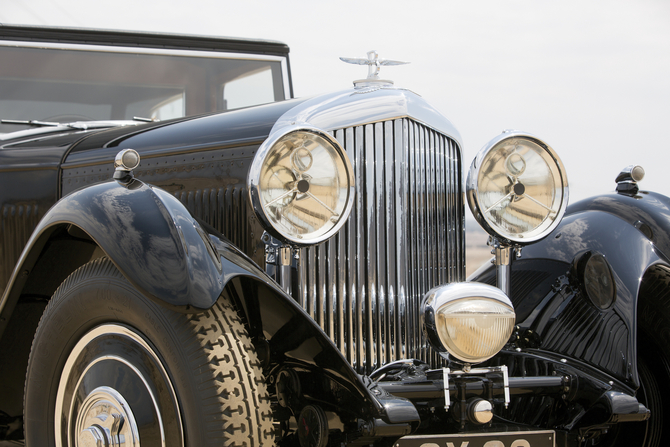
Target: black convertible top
x,y
141,39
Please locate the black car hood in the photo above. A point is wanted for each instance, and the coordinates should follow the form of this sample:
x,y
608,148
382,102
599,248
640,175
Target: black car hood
x,y
217,130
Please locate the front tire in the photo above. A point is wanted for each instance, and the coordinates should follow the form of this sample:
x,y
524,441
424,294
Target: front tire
x,y
108,365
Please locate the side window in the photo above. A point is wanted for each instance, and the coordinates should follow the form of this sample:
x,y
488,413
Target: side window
x,y
172,107
249,90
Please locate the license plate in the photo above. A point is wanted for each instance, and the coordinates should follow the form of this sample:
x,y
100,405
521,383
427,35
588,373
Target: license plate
x,y
504,439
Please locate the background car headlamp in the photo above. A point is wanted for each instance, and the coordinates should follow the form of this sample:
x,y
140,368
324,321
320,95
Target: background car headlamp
x,y
302,185
517,188
470,321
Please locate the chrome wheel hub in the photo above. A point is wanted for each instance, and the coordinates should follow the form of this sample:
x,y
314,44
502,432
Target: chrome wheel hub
x,y
115,392
105,419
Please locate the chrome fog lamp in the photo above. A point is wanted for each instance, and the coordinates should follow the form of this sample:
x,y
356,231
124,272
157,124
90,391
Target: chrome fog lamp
x,y
470,321
302,185
127,160
517,188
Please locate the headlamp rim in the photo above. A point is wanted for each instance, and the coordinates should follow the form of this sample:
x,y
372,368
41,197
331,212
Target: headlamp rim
x,y
253,184
472,189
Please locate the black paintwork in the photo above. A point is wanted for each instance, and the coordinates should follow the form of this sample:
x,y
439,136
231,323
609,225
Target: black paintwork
x,y
183,135
29,185
644,209
80,158
548,301
164,252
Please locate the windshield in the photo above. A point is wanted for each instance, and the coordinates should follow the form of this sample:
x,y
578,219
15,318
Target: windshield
x,y
66,85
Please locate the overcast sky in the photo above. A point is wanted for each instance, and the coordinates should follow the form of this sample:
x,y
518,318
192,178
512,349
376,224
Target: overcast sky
x,y
591,78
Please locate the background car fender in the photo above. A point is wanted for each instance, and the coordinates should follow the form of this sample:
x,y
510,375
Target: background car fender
x,y
167,255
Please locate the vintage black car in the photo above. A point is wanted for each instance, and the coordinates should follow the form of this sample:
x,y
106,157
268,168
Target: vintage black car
x,y
190,256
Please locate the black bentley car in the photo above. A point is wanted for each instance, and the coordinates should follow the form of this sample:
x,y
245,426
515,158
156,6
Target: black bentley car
x,y
189,256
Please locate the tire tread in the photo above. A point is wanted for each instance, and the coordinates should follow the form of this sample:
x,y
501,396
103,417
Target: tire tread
x,y
220,362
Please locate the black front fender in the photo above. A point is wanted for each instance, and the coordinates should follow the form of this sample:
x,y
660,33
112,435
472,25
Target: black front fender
x,y
147,234
169,257
631,232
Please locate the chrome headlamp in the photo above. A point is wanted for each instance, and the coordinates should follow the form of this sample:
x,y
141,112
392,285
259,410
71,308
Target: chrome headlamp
x,y
470,321
302,185
517,188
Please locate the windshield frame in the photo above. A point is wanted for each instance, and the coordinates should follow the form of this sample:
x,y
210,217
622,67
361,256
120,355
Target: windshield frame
x,y
101,48
160,52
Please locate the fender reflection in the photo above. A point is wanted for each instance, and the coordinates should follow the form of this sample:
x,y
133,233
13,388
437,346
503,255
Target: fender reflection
x,y
147,233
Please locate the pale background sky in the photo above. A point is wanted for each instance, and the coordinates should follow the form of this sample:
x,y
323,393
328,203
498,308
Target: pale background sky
x,y
591,78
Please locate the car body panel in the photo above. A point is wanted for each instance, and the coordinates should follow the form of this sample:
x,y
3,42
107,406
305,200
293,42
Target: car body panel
x,y
545,290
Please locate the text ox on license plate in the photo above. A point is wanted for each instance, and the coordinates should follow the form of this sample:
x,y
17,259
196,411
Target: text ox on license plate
x,y
505,439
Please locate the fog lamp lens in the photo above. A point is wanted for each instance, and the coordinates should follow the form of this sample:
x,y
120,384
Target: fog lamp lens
x,y
470,321
474,330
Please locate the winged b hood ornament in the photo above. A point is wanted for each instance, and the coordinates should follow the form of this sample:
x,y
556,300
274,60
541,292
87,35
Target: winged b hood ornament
x,y
374,64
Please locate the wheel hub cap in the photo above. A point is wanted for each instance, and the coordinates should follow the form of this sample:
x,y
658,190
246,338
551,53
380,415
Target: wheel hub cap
x,y
106,420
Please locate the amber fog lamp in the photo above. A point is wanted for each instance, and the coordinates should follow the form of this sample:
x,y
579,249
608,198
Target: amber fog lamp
x,y
517,188
595,279
302,185
470,321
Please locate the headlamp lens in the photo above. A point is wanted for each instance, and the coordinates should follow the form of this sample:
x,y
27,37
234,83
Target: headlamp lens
x,y
519,188
305,186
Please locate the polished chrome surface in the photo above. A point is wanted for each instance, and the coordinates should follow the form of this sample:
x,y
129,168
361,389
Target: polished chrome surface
x,y
62,127
76,418
354,106
473,188
278,261
628,178
106,419
127,160
452,292
373,62
480,411
632,173
404,236
441,296
503,262
254,187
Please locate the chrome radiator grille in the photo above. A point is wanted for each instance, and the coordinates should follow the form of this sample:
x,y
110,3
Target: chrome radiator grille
x,y
405,235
